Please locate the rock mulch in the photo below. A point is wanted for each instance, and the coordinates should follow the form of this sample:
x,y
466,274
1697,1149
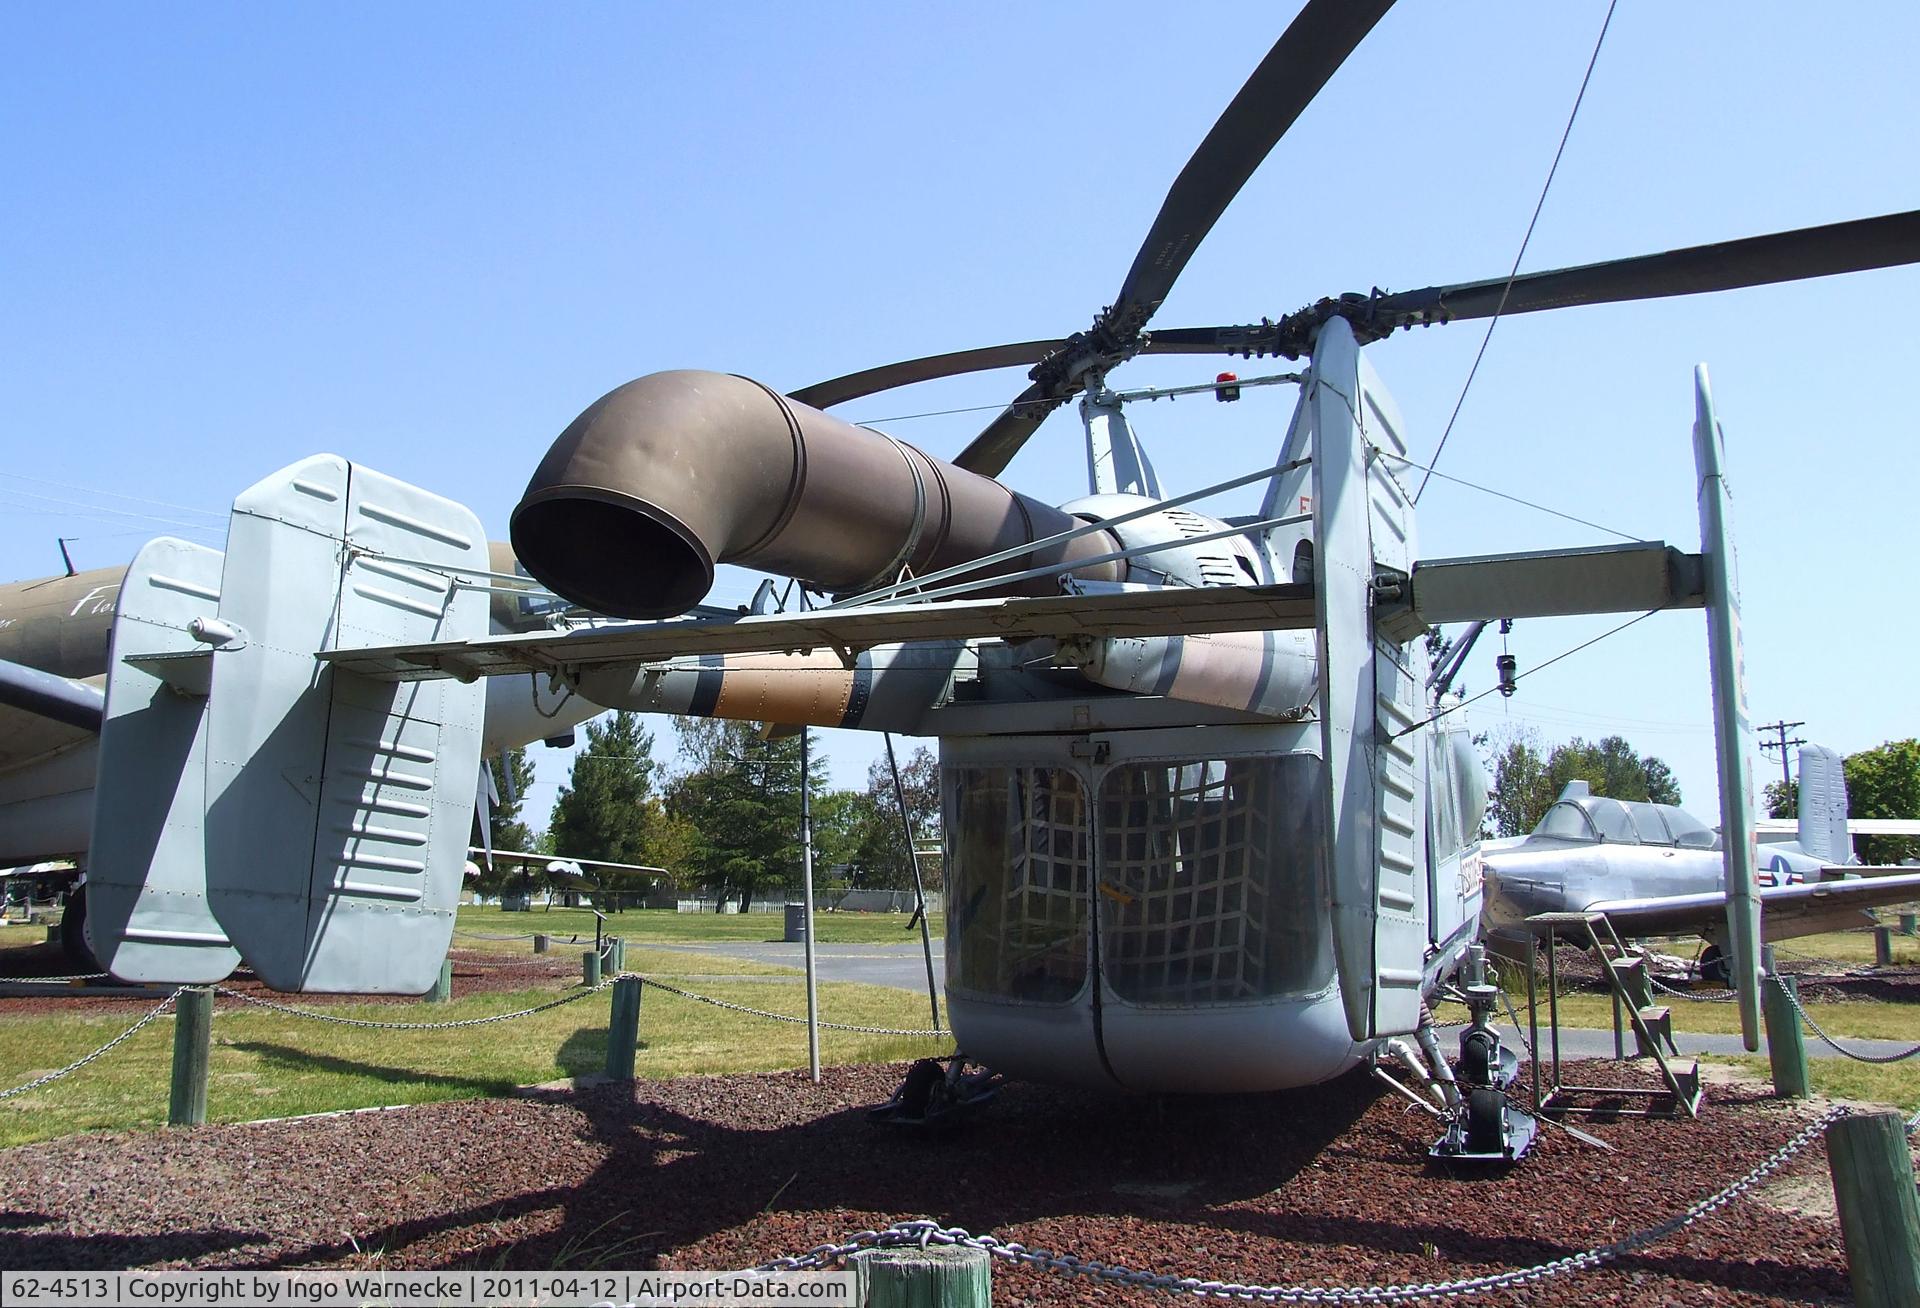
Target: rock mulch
x,y
1328,1185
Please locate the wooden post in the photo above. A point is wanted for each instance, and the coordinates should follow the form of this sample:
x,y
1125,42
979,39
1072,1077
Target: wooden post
x,y
1879,1216
53,934
939,1276
1910,924
616,955
540,944
1883,946
623,1029
590,967
192,1036
442,990
1786,1043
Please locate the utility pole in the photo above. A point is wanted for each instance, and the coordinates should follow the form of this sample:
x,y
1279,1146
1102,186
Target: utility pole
x,y
806,895
1781,743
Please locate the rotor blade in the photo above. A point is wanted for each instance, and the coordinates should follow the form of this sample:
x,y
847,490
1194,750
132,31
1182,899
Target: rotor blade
x,y
857,385
1307,54
1726,265
993,449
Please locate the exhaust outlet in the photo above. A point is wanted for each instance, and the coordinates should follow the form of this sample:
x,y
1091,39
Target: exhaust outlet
x,y
666,477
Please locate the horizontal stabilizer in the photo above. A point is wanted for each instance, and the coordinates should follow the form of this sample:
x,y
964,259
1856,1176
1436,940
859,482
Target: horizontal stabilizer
x,y
1163,611
1555,583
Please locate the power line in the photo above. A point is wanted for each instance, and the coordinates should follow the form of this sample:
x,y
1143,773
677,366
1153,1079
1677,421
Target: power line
x,y
1780,730
1522,253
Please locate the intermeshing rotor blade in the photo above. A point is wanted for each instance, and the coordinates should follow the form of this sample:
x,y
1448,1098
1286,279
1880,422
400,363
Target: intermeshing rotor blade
x,y
859,385
1723,266
993,449
1313,47
1307,54
871,381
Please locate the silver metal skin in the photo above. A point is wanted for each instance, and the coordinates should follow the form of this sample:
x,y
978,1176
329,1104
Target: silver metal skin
x,y
1656,870
667,476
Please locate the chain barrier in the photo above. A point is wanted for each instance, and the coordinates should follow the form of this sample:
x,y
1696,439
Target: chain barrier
x,y
783,1017
49,980
127,1034
291,1011
1837,1047
1720,997
921,1233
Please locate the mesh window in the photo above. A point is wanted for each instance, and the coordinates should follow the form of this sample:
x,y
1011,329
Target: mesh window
x,y
1213,880
1018,887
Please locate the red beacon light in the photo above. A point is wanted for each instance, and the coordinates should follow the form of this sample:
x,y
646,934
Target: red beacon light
x,y
1226,387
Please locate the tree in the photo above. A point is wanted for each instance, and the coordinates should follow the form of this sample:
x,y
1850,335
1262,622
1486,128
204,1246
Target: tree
x,y
603,811
741,800
880,853
1525,785
1884,782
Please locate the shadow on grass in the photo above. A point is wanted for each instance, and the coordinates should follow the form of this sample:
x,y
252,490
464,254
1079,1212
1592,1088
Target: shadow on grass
x,y
284,1056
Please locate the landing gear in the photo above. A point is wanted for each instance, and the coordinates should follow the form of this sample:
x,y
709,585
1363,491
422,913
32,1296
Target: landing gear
x,y
73,931
937,1093
1712,967
1485,1127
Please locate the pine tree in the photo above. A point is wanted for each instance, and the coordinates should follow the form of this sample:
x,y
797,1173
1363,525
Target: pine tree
x,y
603,811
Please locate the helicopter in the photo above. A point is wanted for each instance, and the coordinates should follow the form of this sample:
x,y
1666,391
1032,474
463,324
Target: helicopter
x,y
1150,718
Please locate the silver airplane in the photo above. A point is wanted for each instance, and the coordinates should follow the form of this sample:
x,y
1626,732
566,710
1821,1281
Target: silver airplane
x,y
1655,869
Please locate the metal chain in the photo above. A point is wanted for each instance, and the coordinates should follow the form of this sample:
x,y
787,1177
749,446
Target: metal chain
x,y
922,1233
127,1034
783,1017
1836,1046
291,1011
49,980
1722,997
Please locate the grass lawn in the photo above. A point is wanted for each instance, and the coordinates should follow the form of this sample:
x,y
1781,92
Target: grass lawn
x,y
1842,1078
267,1064
1862,1018
641,926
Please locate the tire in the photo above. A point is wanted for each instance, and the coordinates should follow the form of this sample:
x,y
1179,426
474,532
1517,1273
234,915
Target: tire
x,y
73,932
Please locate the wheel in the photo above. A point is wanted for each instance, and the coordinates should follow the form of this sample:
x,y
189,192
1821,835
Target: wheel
x,y
1713,966
1486,1121
73,932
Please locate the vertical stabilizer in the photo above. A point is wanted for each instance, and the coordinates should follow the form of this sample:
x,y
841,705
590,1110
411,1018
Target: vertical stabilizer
x,y
148,918
1823,806
338,808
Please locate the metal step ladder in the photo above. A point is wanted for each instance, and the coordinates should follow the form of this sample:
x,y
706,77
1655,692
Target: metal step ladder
x,y
1625,972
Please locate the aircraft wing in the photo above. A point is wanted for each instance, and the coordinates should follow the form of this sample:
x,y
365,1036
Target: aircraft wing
x,y
1160,611
1600,579
523,857
1785,912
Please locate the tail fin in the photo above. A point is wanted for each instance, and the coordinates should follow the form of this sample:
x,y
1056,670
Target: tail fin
x,y
1823,806
254,802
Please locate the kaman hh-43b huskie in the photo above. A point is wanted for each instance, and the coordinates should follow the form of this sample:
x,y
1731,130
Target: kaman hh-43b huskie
x,y
1206,830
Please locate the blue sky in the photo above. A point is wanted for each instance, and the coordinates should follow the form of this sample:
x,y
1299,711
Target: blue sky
x,y
426,236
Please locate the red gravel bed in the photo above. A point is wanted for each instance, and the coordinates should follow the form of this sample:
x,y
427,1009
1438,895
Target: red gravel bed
x,y
475,972
1330,1185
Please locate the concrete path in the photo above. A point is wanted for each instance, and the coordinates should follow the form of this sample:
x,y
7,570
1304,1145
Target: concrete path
x,y
902,966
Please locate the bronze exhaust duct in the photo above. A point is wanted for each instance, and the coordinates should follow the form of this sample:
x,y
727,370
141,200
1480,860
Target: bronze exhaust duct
x,y
669,475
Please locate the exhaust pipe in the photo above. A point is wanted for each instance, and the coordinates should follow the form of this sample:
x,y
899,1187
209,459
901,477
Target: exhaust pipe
x,y
670,475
